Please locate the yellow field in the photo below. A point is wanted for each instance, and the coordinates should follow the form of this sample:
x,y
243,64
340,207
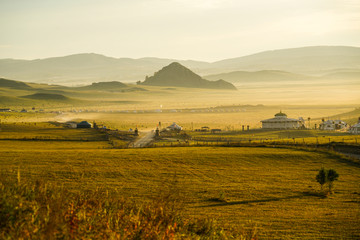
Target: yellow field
x,y
273,188
191,120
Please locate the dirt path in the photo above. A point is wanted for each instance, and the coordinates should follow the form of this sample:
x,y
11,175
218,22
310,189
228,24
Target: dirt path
x,y
144,140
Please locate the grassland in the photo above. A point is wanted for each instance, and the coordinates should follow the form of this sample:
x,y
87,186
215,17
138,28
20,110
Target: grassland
x,y
273,188
277,136
226,119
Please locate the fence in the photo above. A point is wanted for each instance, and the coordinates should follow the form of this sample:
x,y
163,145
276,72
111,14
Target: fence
x,y
317,142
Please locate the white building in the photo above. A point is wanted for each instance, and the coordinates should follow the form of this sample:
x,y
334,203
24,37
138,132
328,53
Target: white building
x,y
332,125
355,129
174,127
281,121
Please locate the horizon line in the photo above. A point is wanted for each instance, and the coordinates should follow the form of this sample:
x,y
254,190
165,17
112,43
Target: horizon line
x,y
178,59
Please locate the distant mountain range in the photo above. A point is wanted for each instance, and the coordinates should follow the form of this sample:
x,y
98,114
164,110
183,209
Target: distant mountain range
x,y
258,76
177,75
82,69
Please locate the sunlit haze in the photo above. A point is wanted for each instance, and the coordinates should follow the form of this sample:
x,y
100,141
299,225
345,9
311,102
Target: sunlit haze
x,y
207,30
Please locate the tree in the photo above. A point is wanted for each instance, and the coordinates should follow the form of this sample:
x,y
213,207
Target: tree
x,y
327,176
321,177
332,176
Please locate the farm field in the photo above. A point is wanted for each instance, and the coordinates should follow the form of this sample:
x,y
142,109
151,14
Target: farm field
x,y
275,189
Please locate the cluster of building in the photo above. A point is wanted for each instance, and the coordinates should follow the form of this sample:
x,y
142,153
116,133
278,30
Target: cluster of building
x,y
281,121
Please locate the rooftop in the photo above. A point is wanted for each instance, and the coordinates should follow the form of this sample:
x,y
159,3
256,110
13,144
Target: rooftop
x,y
280,114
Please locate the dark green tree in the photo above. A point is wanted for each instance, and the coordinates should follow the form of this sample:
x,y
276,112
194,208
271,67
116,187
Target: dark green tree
x,y
321,177
332,176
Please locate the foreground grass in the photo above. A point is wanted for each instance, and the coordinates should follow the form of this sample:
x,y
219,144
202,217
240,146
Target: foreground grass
x,y
44,211
274,188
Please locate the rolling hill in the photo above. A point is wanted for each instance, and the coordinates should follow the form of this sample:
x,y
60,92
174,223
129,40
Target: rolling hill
x,y
113,86
258,76
105,86
47,96
5,83
305,60
351,75
177,75
80,69
351,117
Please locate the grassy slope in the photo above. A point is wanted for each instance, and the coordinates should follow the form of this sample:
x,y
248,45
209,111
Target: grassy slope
x,y
272,187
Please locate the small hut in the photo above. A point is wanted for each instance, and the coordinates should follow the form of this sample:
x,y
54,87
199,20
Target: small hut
x,y
333,125
355,129
174,127
84,124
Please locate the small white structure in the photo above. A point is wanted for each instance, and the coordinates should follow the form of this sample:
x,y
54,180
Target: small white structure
x,y
71,124
355,129
281,121
333,125
174,127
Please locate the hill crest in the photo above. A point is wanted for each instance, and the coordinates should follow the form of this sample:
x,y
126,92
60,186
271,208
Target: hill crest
x,y
46,96
6,83
177,75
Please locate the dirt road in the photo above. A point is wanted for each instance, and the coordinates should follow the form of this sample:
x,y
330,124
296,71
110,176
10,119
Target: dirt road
x,y
144,139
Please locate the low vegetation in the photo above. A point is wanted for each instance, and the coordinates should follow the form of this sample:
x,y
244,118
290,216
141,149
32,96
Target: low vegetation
x,y
39,210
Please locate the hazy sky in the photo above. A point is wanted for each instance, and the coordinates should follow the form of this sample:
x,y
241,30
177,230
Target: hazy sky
x,y
206,30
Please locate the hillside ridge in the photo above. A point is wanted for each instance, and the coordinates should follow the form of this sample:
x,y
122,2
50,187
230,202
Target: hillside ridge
x,y
179,76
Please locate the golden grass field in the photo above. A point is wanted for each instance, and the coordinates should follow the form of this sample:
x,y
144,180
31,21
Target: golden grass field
x,y
273,188
271,191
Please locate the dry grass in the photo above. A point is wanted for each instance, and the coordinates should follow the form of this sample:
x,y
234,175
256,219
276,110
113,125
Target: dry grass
x,y
274,188
37,210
